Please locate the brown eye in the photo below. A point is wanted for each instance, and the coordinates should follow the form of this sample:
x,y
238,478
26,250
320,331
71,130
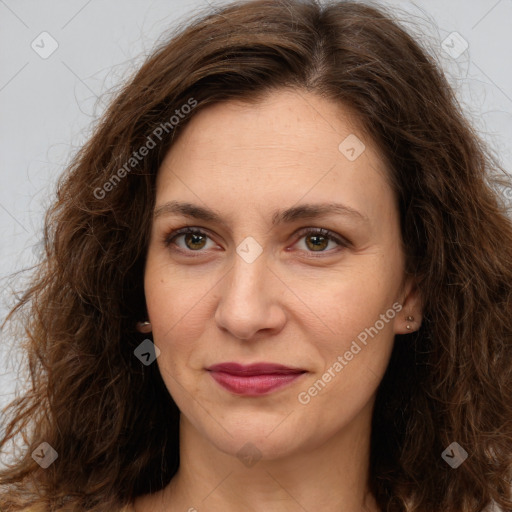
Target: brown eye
x,y
318,242
194,240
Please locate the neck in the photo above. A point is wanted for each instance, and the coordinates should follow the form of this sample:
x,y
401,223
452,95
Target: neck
x,y
331,476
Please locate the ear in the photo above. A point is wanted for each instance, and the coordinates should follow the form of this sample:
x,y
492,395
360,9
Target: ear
x,y
411,313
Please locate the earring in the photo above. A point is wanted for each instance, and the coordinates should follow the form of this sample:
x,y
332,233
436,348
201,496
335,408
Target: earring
x,y
144,326
409,319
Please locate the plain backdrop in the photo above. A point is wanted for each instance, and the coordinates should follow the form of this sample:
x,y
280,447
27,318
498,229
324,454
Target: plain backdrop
x,y
48,102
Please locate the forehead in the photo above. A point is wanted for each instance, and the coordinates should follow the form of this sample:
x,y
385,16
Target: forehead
x,y
282,120
283,148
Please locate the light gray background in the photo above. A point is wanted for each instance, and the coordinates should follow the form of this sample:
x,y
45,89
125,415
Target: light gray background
x,y
47,105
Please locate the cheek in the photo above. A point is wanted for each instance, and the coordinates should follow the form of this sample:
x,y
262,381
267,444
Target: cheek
x,y
176,301
352,298
357,308
354,361
177,319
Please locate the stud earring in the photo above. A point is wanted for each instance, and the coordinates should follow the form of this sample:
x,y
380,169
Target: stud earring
x,y
144,326
409,319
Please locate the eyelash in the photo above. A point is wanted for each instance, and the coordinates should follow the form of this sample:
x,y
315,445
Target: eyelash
x,y
330,235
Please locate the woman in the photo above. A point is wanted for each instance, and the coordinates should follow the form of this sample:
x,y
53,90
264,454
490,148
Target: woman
x,y
278,277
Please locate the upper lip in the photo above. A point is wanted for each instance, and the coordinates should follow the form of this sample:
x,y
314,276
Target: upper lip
x,y
254,369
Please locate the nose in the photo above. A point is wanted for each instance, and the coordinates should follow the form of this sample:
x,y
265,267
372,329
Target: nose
x,y
249,303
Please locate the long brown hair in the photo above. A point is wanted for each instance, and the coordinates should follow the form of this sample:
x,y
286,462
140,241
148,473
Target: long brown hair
x,y
111,419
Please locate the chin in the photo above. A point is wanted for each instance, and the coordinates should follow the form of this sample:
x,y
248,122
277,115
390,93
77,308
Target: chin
x,y
264,439
250,449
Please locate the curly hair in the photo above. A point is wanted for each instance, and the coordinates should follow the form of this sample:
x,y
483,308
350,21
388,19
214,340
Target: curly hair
x,y
111,419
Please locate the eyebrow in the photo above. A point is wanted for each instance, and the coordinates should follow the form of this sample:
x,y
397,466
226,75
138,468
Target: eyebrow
x,y
288,215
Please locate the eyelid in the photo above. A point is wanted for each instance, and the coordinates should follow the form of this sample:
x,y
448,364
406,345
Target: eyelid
x,y
170,236
332,235
311,230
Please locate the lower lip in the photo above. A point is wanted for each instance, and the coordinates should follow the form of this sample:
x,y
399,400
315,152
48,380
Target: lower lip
x,y
254,385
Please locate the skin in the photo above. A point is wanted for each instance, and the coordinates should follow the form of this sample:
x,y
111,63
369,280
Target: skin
x,y
288,307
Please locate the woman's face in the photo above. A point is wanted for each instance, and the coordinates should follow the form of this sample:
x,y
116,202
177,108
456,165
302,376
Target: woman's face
x,y
257,284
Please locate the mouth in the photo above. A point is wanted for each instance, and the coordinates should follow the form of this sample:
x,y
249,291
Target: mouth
x,y
255,379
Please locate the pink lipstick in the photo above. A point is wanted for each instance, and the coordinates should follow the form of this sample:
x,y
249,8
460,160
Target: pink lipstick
x,y
254,379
